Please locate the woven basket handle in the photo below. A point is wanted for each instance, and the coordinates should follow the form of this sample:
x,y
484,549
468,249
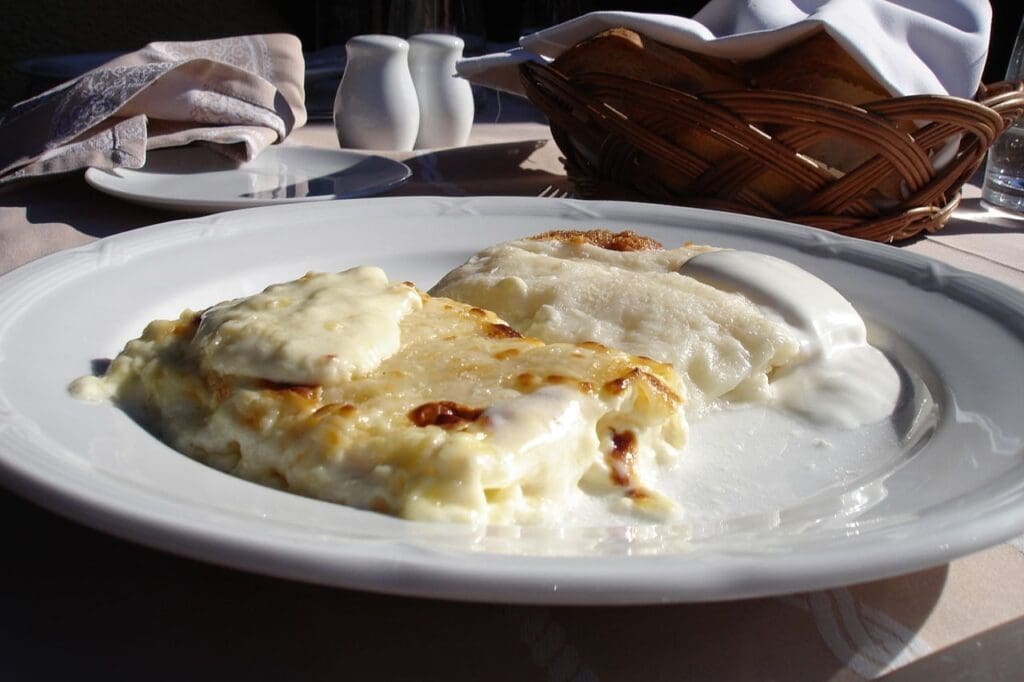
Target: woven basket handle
x,y
1006,98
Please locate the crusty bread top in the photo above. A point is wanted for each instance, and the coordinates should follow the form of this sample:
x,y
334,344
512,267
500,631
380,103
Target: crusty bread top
x,y
819,66
606,239
816,65
623,52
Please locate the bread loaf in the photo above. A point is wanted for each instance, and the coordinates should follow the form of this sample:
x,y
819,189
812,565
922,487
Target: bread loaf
x,y
819,66
623,52
816,65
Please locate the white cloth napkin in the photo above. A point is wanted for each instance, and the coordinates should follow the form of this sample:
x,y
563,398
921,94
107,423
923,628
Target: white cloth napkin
x,y
239,94
910,46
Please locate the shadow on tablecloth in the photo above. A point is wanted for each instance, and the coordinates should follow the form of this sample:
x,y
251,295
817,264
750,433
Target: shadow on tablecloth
x,y
68,200
994,654
975,217
63,211
82,605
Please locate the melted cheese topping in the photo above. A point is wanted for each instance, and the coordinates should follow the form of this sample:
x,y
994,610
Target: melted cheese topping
x,y
321,329
465,420
722,344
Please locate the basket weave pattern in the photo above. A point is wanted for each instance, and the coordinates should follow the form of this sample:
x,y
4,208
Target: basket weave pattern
x,y
624,138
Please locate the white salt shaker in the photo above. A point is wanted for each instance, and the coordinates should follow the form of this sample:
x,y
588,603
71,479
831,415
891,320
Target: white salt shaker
x,y
376,105
446,100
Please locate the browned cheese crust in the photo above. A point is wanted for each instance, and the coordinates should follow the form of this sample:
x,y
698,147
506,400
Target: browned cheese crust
x,y
606,239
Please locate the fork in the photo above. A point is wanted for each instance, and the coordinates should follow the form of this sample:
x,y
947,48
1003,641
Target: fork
x,y
552,192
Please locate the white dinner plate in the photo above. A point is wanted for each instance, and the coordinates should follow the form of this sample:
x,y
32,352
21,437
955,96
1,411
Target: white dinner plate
x,y
952,482
197,179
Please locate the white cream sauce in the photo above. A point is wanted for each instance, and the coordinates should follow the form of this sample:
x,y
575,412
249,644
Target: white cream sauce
x,y
838,378
321,329
92,389
547,416
529,428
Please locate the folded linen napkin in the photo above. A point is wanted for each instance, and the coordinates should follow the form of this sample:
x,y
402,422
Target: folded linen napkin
x,y
909,46
240,94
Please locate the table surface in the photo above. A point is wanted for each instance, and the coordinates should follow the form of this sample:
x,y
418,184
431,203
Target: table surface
x,y
79,604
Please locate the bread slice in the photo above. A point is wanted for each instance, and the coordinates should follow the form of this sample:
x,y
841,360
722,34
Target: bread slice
x,y
820,66
623,52
816,65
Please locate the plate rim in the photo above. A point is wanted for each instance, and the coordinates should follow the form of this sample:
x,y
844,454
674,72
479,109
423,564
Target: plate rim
x,y
563,580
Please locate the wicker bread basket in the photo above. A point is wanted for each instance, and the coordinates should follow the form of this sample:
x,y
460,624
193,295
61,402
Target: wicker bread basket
x,y
620,140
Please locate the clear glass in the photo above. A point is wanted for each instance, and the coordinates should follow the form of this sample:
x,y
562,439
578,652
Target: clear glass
x,y
1004,174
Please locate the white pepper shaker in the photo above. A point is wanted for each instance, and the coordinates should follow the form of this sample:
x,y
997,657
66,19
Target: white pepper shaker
x,y
445,99
376,105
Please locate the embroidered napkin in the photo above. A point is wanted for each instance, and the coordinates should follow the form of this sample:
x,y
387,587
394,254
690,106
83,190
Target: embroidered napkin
x,y
240,94
910,46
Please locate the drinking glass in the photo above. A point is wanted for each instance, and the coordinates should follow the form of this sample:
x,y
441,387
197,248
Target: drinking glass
x,y
1004,173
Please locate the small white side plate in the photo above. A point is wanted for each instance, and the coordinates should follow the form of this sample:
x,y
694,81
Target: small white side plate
x,y
199,180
